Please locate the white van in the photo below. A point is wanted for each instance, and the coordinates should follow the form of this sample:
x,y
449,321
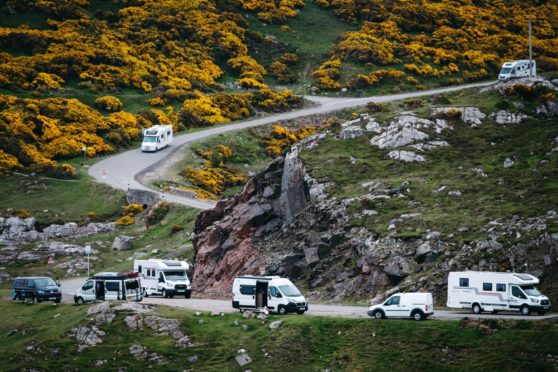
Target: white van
x,y
271,293
416,305
157,137
519,68
491,291
163,277
109,286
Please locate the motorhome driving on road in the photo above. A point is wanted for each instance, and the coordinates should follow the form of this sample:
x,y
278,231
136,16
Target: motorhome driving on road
x,y
273,293
163,277
491,291
109,286
404,305
519,68
156,138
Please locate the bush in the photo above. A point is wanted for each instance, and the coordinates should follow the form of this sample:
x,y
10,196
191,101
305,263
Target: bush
x,y
109,103
176,228
133,209
22,213
157,213
125,220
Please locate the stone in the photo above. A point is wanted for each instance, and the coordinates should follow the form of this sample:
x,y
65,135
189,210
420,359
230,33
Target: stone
x,y
373,126
430,145
508,163
455,193
98,308
471,115
505,117
138,351
136,307
134,321
192,359
406,156
398,137
143,197
122,242
243,359
276,324
351,132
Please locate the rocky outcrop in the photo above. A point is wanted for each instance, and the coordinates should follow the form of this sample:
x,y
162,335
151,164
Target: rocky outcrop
x,y
122,242
351,132
143,197
505,117
470,115
406,156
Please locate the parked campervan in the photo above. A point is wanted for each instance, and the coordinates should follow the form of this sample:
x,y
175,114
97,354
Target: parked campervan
x,y
519,68
491,291
417,305
109,286
156,138
271,293
163,277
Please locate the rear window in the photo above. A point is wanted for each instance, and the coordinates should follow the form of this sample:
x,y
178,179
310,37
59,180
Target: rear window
x,y
463,282
247,289
19,282
132,284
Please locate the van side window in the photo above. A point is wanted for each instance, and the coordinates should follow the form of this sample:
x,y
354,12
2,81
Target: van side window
x,y
273,291
247,289
132,284
463,282
31,283
486,286
112,286
393,301
88,285
500,287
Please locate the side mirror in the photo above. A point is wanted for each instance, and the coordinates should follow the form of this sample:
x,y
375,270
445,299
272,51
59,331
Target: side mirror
x,y
279,295
161,280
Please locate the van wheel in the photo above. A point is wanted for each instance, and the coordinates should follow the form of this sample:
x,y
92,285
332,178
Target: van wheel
x,y
417,315
164,293
35,300
57,301
525,310
477,309
188,294
378,314
300,312
145,293
171,296
80,301
282,310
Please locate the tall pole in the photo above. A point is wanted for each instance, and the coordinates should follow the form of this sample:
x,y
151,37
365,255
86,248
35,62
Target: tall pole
x,y
530,51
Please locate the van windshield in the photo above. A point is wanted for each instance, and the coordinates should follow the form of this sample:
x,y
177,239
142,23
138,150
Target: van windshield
x,y
505,70
150,139
44,282
175,275
290,290
531,291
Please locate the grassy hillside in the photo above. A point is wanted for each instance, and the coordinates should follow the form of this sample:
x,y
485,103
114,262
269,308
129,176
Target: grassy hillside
x,y
36,338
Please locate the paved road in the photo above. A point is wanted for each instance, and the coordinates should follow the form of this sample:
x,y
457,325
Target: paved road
x,y
122,171
199,304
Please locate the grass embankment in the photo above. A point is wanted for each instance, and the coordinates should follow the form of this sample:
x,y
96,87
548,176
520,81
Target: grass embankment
x,y
527,189
303,343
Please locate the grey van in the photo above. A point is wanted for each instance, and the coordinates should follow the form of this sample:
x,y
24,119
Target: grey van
x,y
37,289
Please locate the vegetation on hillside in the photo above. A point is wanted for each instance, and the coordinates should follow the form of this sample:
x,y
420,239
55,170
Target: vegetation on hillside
x,y
37,338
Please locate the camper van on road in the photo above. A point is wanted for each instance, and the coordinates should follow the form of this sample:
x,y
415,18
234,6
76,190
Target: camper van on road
x,y
273,293
109,286
163,277
157,137
491,291
519,68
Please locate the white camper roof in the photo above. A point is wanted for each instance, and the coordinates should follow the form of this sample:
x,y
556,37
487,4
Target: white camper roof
x,y
515,63
163,264
156,129
511,277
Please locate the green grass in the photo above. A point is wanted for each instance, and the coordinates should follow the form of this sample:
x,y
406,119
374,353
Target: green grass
x,y
302,343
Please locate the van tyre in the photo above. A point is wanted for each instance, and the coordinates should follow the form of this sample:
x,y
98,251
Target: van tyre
x,y
57,301
282,310
417,315
477,309
378,314
525,310
164,293
188,295
300,312
80,301
145,293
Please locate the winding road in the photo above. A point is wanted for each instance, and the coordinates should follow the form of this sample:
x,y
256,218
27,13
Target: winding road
x,y
122,171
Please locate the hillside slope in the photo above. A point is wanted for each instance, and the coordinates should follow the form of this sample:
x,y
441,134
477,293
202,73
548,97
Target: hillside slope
x,y
397,199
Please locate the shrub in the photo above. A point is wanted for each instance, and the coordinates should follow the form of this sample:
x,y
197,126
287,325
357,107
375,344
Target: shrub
x,y
373,107
22,213
157,213
109,103
133,209
176,228
90,216
125,220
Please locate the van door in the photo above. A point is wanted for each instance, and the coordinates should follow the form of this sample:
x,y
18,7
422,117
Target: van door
x,y
517,297
392,307
113,290
274,298
100,290
261,294
88,291
247,296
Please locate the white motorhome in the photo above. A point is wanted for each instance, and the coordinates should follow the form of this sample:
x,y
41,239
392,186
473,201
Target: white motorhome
x,y
109,286
271,293
163,277
157,137
416,305
519,68
491,291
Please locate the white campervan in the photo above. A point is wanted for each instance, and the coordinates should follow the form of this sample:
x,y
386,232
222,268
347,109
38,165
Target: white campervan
x,y
417,306
156,138
491,291
519,68
163,277
109,286
271,293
